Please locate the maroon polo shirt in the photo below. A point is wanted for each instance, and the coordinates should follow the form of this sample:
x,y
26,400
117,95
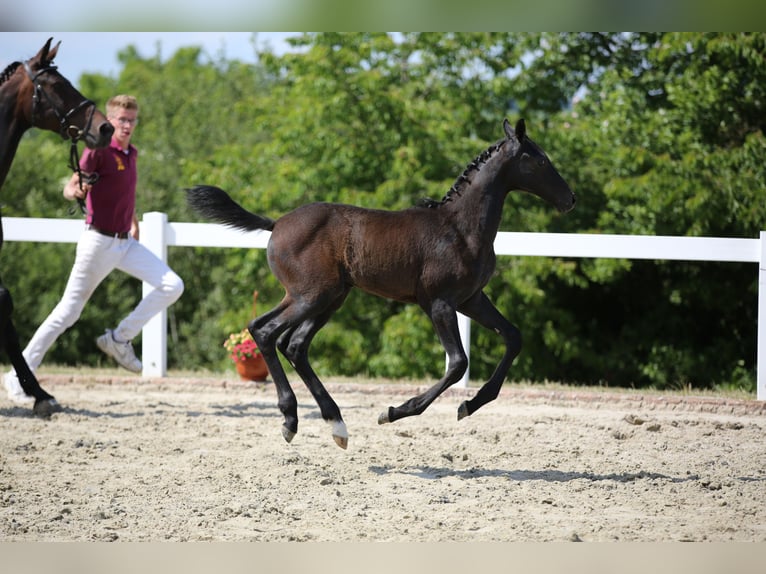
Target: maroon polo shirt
x,y
112,199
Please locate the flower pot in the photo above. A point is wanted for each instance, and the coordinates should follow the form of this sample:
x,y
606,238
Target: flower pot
x,y
252,368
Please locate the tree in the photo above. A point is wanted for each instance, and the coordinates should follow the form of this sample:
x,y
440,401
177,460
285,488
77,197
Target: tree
x,y
657,133
674,147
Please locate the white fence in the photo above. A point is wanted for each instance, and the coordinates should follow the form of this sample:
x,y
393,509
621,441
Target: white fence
x,y
157,234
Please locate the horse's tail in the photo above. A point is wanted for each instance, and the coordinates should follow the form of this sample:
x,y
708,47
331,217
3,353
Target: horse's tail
x,y
214,203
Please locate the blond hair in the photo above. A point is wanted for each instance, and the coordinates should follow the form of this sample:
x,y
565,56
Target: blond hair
x,y
121,101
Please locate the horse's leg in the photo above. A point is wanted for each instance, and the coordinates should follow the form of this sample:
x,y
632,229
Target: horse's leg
x,y
480,309
444,319
265,330
45,404
294,345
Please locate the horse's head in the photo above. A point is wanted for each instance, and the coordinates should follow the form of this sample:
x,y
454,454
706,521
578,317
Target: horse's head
x,y
532,171
54,104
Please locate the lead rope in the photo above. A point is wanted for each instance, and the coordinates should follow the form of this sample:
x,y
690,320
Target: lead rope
x,y
74,165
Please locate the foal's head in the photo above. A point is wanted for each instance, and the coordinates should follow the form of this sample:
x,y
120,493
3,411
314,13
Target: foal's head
x,y
513,163
529,169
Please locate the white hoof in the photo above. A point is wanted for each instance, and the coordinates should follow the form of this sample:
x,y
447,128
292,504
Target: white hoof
x,y
339,433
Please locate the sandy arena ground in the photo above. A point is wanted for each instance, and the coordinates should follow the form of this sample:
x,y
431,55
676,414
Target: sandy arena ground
x,y
184,459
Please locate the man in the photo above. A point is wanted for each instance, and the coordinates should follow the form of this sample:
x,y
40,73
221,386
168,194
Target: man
x,y
110,241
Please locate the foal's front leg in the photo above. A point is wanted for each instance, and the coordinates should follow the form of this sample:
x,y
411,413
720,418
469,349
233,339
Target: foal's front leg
x,y
480,309
444,319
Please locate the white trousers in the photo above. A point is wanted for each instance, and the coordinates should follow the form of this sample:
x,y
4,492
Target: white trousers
x,y
97,256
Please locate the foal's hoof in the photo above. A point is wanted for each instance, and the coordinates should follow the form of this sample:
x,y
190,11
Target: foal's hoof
x,y
287,434
341,441
46,407
383,418
340,434
462,411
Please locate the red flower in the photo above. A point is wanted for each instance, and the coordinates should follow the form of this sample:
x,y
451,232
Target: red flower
x,y
241,346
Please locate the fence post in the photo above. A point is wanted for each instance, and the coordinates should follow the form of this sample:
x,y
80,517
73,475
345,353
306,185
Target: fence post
x,y
464,324
154,333
760,363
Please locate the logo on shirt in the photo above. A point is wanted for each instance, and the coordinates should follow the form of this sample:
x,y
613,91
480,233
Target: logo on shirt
x,y
120,165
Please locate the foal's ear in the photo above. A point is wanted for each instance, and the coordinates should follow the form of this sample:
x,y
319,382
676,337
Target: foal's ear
x,y
518,133
521,130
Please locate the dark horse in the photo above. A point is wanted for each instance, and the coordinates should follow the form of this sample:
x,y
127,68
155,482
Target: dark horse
x,y
34,94
439,255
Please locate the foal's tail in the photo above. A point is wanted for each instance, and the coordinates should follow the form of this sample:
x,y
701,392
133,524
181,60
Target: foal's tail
x,y
214,203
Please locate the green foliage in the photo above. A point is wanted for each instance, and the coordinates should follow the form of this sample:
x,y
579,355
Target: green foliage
x,y
408,347
657,133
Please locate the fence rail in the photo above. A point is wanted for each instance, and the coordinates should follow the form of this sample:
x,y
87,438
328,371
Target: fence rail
x,y
157,234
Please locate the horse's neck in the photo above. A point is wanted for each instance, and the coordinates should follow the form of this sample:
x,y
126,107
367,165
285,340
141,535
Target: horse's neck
x,y
9,143
11,131
479,208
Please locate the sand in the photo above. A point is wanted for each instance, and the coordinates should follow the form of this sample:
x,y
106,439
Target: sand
x,y
203,459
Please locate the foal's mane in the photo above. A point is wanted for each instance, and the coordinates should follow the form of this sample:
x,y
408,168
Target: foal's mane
x,y
8,72
463,179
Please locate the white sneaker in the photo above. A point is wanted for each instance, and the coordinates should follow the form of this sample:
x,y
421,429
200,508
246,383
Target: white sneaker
x,y
15,393
120,352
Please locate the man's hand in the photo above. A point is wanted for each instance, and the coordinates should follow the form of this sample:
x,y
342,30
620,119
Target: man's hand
x,y
72,189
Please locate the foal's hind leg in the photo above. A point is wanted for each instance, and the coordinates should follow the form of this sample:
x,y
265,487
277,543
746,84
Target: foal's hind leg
x,y
444,319
45,404
481,309
281,323
294,344
265,330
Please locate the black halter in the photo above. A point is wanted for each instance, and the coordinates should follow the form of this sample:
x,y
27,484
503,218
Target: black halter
x,y
67,130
